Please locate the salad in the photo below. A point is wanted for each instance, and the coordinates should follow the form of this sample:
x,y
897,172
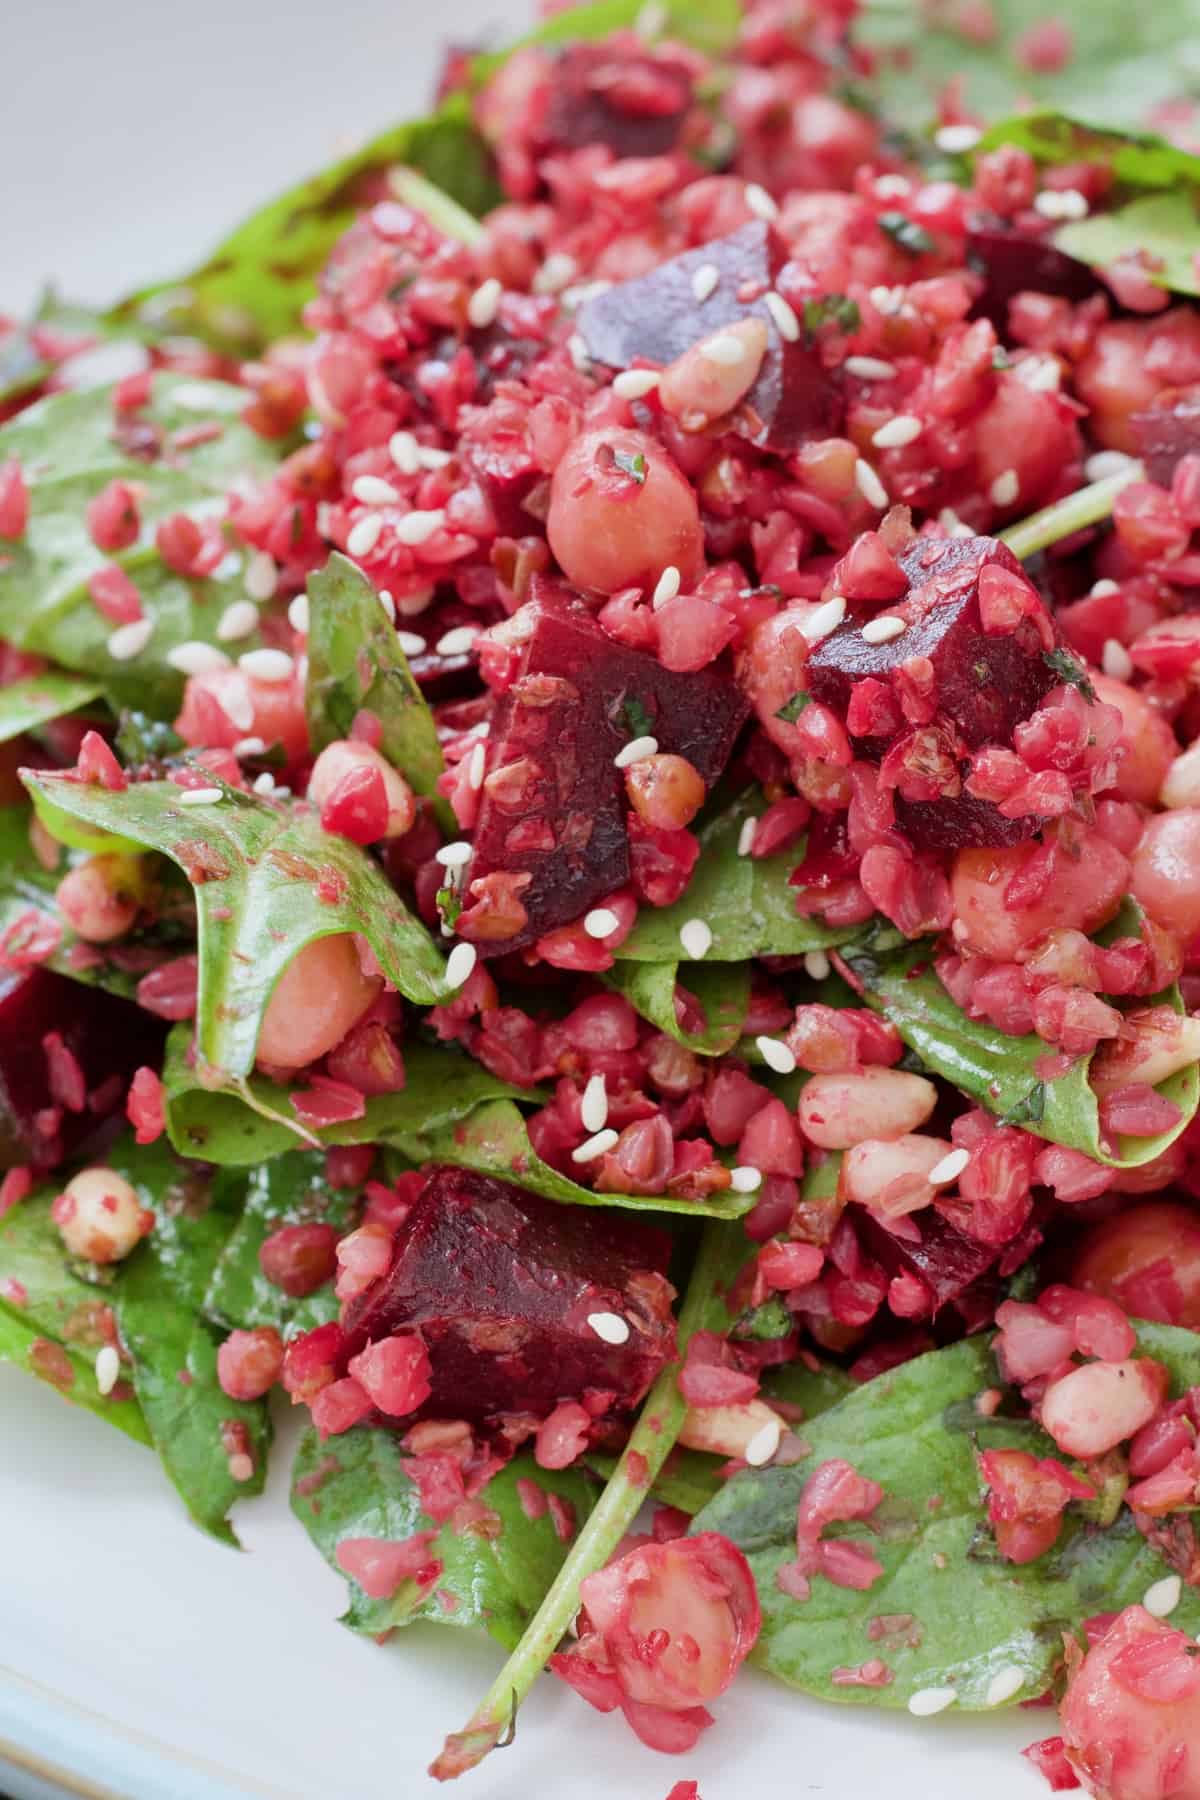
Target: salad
x,y
600,869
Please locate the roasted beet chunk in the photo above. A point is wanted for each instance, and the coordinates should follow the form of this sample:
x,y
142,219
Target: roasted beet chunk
x,y
616,94
1167,432
659,317
947,1262
1012,263
552,839
501,1284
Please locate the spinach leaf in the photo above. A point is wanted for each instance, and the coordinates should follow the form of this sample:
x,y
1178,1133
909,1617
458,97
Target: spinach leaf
x,y
36,699
710,25
355,663
66,446
722,990
915,1431
289,1190
255,866
746,903
357,1486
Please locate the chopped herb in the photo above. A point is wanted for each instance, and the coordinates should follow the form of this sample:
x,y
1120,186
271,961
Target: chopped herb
x,y
766,1323
791,709
637,719
1071,671
837,310
449,905
907,233
634,466
1000,359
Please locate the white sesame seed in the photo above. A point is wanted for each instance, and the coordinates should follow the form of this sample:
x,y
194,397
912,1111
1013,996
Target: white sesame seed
x,y
388,605
904,429
1042,374
484,303
869,485
557,272
883,629
459,964
261,576
744,1179
1065,203
1162,1597
237,621
433,459
411,642
764,1444
402,448
205,796
776,1055
869,368
927,1701
597,1145
786,322
696,938
746,836
108,1367
1005,1684
128,641
241,1466
237,705
298,614
1100,590
816,965
264,784
760,202
724,350
250,746
955,140
705,282
1005,488
476,767
827,617
1106,463
373,491
666,587
457,642
453,856
889,300
893,187
635,751
609,1326
418,527
950,1167
267,665
195,658
600,922
578,351
1116,661
652,21
593,1106
632,384
364,534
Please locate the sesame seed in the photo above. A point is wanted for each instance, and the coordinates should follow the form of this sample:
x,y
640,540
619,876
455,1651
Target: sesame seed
x,y
364,534
453,856
632,384
261,576
776,1055
1005,1684
869,485
1100,590
195,658
128,641
816,965
205,796
786,322
402,448
241,1466
760,202
267,665
1065,203
372,491
955,140
724,350
883,629
1042,374
593,1106
652,21
635,751
433,459
950,1167
827,617
298,614
1005,488
411,643
1106,463
1116,661
484,303
1162,1597
927,1701
600,922
904,429
459,964
597,1145
237,621
388,605
609,1326
457,642
696,938
705,282
418,527
889,300
108,1367
893,187
237,705
264,784
666,587
746,836
250,746
476,767
745,1180
869,368
578,351
557,272
764,1444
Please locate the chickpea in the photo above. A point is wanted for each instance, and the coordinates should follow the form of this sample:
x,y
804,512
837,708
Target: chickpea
x,y
101,898
100,1217
838,1111
319,996
665,791
344,754
621,512
1166,871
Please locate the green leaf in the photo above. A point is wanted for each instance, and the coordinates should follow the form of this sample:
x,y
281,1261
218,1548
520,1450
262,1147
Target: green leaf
x,y
746,902
355,663
915,1430
288,1190
907,233
1166,226
66,447
36,699
722,990
357,1486
710,25
255,866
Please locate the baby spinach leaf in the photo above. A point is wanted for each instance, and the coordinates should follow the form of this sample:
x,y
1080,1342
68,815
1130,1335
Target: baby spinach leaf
x,y
355,663
746,903
357,1486
288,1190
971,1614
1166,226
721,989
255,867
36,699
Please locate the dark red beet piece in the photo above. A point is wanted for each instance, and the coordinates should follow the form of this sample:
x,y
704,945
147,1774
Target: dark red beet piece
x,y
1011,263
442,677
580,697
108,1037
658,317
944,1258
616,94
500,1284
1168,431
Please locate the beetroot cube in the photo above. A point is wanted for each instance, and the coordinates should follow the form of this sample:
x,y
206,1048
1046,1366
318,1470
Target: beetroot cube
x,y
1012,263
616,94
553,805
944,1258
1168,431
501,1284
658,316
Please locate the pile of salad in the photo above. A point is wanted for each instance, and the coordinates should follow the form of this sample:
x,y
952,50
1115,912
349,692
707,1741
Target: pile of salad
x,y
600,868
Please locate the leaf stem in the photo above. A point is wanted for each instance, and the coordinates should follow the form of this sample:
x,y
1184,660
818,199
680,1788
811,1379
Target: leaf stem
x,y
1062,520
424,196
651,1441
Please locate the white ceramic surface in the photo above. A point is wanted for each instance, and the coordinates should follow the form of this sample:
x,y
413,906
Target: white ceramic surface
x,y
136,1656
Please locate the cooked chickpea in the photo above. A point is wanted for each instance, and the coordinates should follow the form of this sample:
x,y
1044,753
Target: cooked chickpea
x,y
621,512
665,791
100,1217
101,898
344,754
319,996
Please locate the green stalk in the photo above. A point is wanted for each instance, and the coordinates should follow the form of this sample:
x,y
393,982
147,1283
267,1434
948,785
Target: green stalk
x,y
424,196
1062,520
722,1251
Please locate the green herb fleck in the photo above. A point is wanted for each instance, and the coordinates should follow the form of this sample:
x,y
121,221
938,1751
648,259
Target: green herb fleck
x,y
767,1322
907,233
1065,666
791,709
637,719
634,466
836,310
449,905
